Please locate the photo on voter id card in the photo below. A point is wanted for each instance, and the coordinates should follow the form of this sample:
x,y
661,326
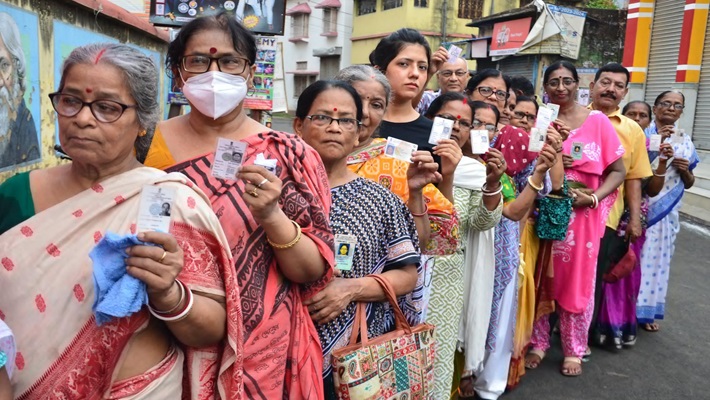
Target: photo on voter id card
x,y
400,149
537,140
228,158
155,208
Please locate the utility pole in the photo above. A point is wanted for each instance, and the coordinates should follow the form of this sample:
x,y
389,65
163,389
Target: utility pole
x,y
444,16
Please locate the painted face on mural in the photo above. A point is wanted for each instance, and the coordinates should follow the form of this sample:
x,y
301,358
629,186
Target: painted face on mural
x,y
10,92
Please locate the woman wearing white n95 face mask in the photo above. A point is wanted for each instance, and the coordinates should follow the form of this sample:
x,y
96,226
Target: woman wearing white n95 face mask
x,y
276,221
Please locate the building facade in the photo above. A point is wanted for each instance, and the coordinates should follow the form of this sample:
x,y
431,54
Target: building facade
x,y
316,43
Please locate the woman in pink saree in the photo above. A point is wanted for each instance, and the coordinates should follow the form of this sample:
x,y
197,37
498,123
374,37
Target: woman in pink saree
x,y
593,165
186,342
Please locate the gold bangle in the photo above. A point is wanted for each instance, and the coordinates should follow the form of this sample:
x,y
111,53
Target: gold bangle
x,y
289,244
532,185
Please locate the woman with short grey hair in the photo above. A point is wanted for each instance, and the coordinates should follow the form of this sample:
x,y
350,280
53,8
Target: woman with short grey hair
x,y
80,233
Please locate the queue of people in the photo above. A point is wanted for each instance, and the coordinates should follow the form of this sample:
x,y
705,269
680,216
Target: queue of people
x,y
254,282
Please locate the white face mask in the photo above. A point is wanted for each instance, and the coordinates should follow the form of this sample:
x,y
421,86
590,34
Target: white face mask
x,y
215,93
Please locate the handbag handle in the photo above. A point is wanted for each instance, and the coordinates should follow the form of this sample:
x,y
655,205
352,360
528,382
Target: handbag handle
x,y
360,320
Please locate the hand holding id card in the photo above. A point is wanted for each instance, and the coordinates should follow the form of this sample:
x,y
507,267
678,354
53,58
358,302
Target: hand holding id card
x,y
228,158
454,53
440,129
400,149
155,208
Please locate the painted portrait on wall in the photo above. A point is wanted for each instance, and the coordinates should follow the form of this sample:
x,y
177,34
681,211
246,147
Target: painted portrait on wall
x,y
19,88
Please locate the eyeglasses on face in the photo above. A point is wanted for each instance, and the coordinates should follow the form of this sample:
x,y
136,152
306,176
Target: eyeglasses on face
x,y
107,111
668,104
520,115
487,91
198,64
606,83
462,122
489,127
447,73
555,83
349,124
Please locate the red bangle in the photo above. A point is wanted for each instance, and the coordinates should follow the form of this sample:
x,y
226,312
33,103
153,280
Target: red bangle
x,y
426,211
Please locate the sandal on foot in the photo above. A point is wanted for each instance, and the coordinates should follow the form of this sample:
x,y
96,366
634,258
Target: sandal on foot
x,y
534,358
568,364
587,354
629,341
652,327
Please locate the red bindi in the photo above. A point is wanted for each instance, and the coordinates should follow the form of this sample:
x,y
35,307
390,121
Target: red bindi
x,y
213,50
335,109
89,90
458,117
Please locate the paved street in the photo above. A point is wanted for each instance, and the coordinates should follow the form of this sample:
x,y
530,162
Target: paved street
x,y
670,364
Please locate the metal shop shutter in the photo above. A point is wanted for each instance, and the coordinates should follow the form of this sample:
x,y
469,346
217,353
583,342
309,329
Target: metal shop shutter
x,y
665,45
701,125
517,65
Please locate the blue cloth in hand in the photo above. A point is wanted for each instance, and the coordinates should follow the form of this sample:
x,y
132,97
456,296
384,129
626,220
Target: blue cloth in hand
x,y
117,293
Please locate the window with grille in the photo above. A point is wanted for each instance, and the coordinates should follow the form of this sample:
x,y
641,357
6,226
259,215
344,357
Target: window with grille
x,y
389,4
301,65
330,20
299,26
421,3
329,67
366,7
301,82
470,9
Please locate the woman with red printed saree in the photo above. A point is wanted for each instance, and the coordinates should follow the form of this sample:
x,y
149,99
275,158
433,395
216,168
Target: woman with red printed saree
x,y
276,222
54,217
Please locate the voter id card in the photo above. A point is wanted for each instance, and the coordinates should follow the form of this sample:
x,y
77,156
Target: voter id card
x,y
479,141
228,158
269,164
677,138
555,110
454,53
544,118
400,149
537,140
440,129
654,142
155,208
344,251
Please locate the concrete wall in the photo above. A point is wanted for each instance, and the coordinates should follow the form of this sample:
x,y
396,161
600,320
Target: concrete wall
x,y
49,30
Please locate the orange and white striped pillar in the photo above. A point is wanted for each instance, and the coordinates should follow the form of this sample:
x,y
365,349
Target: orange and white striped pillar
x,y
692,41
638,36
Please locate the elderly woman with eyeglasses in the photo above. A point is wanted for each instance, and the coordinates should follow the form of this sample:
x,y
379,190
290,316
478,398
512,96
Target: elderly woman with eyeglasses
x,y
178,336
273,207
374,230
663,218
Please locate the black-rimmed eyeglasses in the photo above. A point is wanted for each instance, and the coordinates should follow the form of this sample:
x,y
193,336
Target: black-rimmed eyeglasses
x,y
349,124
107,111
198,64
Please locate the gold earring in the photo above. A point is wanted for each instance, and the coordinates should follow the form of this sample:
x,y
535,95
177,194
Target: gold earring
x,y
142,133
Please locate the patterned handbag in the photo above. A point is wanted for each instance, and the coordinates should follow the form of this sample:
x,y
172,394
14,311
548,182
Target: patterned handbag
x,y
398,364
554,215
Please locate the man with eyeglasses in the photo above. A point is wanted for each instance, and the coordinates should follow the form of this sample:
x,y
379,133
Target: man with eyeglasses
x,y
451,77
18,136
610,86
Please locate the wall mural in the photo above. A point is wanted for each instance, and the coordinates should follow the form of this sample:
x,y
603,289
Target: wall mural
x,y
19,88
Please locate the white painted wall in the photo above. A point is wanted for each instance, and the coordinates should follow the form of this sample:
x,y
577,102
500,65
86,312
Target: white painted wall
x,y
303,51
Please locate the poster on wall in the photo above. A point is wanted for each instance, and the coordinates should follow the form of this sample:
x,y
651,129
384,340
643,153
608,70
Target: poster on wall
x,y
509,36
260,98
20,140
265,17
557,31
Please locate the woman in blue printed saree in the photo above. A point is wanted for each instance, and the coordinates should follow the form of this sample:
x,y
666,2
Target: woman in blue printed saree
x,y
663,217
